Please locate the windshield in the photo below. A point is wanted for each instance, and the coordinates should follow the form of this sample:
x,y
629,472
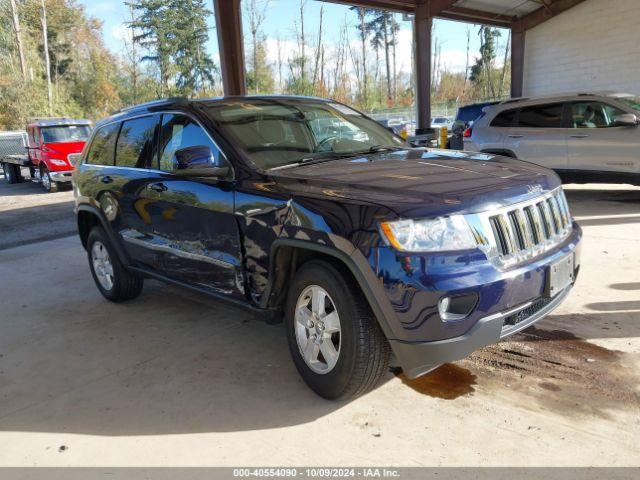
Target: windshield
x,y
66,133
633,102
280,132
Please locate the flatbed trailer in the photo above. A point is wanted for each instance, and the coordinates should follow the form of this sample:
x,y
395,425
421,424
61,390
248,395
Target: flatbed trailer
x,y
13,155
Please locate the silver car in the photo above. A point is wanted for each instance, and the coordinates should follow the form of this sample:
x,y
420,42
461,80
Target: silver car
x,y
585,137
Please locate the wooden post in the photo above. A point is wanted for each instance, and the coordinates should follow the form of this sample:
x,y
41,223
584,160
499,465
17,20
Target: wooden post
x,y
422,24
229,28
517,60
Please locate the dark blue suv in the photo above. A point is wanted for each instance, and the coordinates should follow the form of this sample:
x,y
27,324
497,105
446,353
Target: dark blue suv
x,y
305,210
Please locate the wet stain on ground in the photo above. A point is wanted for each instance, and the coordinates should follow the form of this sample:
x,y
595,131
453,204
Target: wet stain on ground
x,y
563,372
448,382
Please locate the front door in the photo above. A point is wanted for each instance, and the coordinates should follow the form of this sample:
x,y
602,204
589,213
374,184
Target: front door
x,y
595,143
193,218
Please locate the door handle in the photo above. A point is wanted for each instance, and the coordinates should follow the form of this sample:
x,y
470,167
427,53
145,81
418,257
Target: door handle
x,y
515,136
107,179
158,187
579,136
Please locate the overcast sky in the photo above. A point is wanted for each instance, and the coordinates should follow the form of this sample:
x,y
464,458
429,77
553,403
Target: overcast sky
x,y
282,14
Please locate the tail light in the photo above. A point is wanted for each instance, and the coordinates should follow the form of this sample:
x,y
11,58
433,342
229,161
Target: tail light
x,y
467,133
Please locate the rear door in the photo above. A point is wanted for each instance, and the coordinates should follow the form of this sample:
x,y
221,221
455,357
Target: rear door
x,y
193,219
538,135
131,177
595,143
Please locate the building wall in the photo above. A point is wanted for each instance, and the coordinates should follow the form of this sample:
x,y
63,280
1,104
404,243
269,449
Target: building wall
x,y
592,46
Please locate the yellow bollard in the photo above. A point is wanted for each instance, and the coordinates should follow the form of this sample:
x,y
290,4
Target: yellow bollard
x,y
443,137
404,133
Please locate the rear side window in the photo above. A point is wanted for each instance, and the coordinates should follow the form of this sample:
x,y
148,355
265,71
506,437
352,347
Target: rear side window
x,y
505,119
135,142
178,132
103,145
541,116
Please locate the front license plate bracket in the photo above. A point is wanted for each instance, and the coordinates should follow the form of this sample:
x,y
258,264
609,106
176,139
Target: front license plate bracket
x,y
560,275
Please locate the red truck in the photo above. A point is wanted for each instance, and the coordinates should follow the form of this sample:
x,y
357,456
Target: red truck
x,y
49,143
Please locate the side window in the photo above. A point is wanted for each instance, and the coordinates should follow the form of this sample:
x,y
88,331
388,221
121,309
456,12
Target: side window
x,y
179,132
541,116
593,115
505,119
135,142
102,147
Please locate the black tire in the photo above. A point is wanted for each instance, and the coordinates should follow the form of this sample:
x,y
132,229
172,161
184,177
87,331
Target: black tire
x,y
11,173
364,351
48,184
125,284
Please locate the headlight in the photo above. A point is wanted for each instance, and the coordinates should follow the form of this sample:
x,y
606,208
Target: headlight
x,y
433,235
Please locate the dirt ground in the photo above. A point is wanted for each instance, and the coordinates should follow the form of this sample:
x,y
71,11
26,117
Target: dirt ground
x,y
174,378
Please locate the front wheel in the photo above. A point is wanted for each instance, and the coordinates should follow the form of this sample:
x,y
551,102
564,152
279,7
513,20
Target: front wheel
x,y
334,339
48,184
114,281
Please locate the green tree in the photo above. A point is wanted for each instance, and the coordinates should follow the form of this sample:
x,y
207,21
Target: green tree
x,y
483,72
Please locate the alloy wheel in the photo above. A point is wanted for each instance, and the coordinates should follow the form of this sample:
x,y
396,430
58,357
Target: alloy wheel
x,y
317,325
102,265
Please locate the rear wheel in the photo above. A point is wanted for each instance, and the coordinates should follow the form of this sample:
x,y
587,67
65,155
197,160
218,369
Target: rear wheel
x,y
114,281
334,339
48,184
11,173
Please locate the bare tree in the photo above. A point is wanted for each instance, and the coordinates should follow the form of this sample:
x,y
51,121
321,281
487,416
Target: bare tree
x,y
319,49
385,26
504,63
16,28
256,14
132,56
47,60
394,40
280,62
466,67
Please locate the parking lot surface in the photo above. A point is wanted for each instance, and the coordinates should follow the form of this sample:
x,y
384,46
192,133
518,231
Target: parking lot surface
x,y
175,378
28,214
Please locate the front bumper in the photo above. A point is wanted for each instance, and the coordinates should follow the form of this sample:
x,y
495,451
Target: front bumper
x,y
61,176
510,300
418,358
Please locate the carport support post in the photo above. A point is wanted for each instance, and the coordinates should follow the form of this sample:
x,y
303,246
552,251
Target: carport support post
x,y
229,28
517,59
422,23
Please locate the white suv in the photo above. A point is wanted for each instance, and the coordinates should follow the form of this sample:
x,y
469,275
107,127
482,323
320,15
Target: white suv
x,y
585,137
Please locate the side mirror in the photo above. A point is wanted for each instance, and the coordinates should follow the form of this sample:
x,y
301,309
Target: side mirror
x,y
625,120
198,161
74,159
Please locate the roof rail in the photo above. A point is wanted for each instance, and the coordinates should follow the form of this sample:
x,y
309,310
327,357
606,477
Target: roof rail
x,y
160,101
514,100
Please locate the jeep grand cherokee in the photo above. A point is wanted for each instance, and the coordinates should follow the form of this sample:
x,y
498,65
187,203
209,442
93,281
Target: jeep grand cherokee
x,y
361,244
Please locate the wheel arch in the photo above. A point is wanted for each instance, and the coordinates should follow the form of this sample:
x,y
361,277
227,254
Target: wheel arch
x,y
89,217
288,255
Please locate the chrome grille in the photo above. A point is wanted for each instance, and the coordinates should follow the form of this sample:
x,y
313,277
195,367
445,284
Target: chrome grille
x,y
527,229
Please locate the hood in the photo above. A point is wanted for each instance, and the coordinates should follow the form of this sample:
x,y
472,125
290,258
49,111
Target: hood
x,y
65,148
418,183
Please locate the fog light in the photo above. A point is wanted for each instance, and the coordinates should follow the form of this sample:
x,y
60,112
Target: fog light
x,y
458,307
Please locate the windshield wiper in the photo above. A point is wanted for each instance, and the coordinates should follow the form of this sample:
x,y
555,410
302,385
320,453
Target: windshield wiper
x,y
319,159
338,156
385,148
